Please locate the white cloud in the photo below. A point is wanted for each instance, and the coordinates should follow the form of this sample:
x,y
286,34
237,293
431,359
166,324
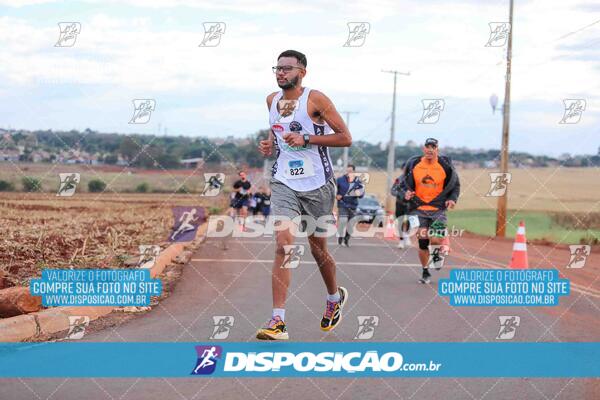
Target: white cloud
x,y
440,43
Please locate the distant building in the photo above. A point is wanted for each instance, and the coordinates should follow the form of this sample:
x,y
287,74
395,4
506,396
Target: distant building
x,y
491,164
39,156
9,155
192,162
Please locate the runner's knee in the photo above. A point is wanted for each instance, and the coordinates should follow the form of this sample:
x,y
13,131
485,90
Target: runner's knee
x,y
281,241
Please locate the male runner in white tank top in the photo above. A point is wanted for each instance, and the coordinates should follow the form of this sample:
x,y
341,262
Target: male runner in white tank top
x,y
304,123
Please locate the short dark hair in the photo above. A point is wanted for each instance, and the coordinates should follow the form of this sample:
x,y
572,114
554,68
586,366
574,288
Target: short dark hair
x,y
296,54
351,166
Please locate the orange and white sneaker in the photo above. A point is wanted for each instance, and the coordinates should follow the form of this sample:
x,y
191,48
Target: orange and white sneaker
x,y
333,311
275,330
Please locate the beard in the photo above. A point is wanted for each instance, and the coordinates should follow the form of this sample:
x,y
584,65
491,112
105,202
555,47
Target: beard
x,y
289,84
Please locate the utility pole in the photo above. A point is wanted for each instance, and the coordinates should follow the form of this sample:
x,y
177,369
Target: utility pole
x,y
345,156
389,203
502,200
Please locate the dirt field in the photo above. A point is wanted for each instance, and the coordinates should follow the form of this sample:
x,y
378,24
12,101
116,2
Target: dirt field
x,y
117,179
568,190
87,230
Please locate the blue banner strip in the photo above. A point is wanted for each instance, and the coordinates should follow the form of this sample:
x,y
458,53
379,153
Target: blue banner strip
x,y
162,359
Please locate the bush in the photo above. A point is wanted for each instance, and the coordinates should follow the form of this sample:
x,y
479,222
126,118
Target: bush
x,y
214,210
142,188
96,185
31,184
6,186
589,239
182,189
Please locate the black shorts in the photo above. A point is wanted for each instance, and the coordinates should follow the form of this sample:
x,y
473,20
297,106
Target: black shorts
x,y
401,208
239,202
429,217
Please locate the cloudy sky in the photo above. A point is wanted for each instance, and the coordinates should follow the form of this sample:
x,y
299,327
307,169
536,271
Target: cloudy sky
x,y
150,50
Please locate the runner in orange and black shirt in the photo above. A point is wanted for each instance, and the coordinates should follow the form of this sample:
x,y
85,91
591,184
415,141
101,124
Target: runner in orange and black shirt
x,y
431,186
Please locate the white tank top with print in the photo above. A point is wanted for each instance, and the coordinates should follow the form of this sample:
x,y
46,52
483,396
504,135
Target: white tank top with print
x,y
301,169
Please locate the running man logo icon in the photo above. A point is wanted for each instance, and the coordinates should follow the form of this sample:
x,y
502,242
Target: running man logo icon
x,y
436,256
287,110
498,183
207,359
187,220
148,254
142,110
293,252
574,108
77,325
508,326
212,34
68,183
68,34
364,177
222,326
498,34
357,33
579,254
366,326
432,109
213,183
356,189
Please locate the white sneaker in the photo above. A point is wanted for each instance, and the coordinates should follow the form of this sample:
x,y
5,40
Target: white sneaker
x,y
406,240
401,244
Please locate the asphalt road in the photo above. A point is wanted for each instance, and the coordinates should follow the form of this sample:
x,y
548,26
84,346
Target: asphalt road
x,y
382,282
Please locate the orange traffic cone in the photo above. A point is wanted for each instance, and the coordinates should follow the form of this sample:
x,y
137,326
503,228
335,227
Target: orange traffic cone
x,y
519,254
390,229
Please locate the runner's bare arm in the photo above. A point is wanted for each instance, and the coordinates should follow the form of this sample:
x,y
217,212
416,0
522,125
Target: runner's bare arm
x,y
321,106
266,146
